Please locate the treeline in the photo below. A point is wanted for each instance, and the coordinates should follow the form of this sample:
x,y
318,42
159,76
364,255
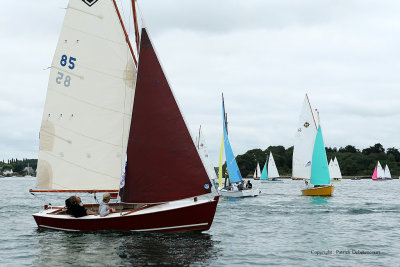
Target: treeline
x,y
17,166
352,161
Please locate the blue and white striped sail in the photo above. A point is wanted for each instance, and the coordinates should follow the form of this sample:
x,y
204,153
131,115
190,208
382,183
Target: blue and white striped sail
x,y
233,169
319,163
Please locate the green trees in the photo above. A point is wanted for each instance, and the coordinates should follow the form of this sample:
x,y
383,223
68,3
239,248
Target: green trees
x,y
352,161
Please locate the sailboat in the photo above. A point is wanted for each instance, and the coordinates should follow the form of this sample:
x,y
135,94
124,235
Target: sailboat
x,y
257,172
379,173
320,178
304,142
388,175
203,151
105,124
264,173
235,176
272,169
336,174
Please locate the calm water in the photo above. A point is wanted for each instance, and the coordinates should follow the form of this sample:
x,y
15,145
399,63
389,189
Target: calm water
x,y
280,227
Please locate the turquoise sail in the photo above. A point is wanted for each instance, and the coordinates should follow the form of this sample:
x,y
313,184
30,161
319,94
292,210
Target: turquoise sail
x,y
264,174
319,163
233,169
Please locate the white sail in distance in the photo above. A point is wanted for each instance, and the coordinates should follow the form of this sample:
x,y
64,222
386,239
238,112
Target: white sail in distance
x,y
87,114
304,142
387,172
204,155
380,172
272,169
331,170
337,172
257,171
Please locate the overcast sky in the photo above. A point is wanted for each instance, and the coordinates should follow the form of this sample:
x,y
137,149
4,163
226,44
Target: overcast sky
x,y
263,54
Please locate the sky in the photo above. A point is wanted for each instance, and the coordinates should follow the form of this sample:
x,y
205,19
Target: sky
x,y
264,55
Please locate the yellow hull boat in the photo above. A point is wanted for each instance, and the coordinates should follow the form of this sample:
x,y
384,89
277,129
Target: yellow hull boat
x,y
318,191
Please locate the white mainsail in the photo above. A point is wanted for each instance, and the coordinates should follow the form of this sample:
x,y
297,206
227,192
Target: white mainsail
x,y
331,170
387,172
272,170
203,152
257,171
380,172
87,114
337,173
304,142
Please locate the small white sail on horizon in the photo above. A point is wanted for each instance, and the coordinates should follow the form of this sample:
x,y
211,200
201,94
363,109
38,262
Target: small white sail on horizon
x,y
203,152
388,175
257,171
380,171
337,173
272,169
330,167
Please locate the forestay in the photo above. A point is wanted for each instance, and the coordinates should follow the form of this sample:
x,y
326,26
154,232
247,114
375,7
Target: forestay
x,y
88,106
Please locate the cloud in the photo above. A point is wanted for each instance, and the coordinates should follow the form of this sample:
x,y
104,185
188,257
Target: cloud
x,y
264,56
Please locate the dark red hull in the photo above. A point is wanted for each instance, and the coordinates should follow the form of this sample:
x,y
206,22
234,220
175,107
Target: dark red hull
x,y
196,217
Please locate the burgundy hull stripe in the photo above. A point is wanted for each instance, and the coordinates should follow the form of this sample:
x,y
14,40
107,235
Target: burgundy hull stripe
x,y
190,218
163,163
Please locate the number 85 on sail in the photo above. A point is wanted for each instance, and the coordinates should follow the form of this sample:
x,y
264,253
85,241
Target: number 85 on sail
x,y
66,81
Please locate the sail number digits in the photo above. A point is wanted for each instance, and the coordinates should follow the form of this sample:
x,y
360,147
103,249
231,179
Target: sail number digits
x,y
71,61
71,65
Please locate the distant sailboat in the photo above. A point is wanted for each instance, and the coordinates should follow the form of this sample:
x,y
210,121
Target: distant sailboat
x,y
375,174
379,173
257,172
304,142
272,169
204,155
336,174
233,169
388,175
264,173
320,178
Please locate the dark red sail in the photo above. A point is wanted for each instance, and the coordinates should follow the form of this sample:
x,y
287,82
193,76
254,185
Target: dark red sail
x,y
162,161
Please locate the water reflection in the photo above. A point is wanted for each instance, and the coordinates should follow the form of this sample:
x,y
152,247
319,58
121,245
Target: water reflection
x,y
125,249
319,200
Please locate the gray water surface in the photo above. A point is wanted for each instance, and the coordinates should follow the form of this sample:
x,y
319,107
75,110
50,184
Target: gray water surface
x,y
280,227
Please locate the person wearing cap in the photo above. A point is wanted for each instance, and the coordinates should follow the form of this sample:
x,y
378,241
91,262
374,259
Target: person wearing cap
x,y
104,208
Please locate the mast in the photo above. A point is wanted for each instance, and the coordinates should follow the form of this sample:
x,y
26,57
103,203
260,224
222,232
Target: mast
x,y
311,112
137,38
198,141
126,34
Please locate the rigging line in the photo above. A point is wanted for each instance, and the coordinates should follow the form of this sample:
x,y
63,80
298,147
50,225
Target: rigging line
x,y
141,16
136,24
126,35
